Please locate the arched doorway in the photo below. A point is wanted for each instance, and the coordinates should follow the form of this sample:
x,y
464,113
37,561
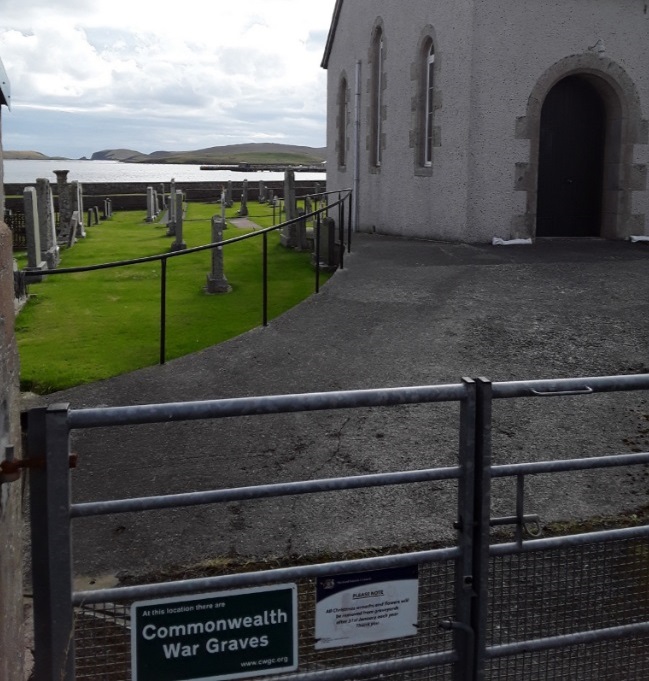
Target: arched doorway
x,y
571,160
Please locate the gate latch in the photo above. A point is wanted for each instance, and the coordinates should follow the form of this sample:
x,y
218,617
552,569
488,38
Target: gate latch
x,y
11,468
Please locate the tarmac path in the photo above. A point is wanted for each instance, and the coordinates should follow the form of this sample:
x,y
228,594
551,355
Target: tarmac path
x,y
401,313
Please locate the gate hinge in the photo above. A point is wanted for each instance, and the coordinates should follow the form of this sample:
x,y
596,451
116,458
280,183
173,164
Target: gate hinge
x,y
10,468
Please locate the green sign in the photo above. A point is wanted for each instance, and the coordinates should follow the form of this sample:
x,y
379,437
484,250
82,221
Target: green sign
x,y
226,635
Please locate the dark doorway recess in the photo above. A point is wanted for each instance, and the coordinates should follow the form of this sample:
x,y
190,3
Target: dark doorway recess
x,y
571,160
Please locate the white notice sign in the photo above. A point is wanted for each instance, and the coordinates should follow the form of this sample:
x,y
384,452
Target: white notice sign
x,y
364,607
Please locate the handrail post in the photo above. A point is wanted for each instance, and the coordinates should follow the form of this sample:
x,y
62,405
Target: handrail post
x,y
341,233
350,196
317,252
265,279
163,310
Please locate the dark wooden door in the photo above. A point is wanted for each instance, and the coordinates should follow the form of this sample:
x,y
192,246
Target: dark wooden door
x,y
571,160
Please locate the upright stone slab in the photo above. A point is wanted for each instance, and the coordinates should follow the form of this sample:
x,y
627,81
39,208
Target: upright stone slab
x,y
178,244
262,193
35,262
77,205
49,247
229,201
150,205
243,211
64,195
216,281
171,210
289,235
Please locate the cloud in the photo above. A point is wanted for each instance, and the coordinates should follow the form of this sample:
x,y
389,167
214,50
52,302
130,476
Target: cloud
x,y
215,69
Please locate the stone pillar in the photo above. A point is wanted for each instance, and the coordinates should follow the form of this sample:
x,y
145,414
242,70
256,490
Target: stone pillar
x,y
77,203
329,245
216,281
243,211
289,236
228,195
34,260
290,204
178,244
105,216
65,200
109,204
171,210
150,205
262,192
49,247
223,209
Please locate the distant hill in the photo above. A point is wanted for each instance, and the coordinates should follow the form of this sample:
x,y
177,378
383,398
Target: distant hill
x,y
30,156
254,153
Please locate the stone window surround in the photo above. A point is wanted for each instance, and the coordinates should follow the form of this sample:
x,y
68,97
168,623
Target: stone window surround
x,y
375,118
419,77
342,122
625,128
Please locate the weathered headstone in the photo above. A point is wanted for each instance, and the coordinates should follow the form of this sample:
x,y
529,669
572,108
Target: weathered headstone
x,y
178,244
64,195
171,210
77,206
229,201
46,218
223,208
35,262
289,234
243,211
329,246
262,192
216,281
150,205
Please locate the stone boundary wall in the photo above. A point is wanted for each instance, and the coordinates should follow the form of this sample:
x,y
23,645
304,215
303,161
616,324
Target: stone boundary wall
x,y
132,195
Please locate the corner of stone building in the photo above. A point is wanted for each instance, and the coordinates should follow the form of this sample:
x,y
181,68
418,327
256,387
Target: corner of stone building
x,y
11,539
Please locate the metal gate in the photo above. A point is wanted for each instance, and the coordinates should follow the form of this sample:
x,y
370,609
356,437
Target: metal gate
x,y
573,606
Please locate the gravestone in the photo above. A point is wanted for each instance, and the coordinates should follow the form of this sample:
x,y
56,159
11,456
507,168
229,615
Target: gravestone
x,y
178,244
228,195
76,191
35,262
171,210
45,201
243,211
65,201
223,209
150,205
289,237
216,281
329,246
262,193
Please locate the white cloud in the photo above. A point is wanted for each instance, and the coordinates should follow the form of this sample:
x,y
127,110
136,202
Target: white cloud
x,y
221,69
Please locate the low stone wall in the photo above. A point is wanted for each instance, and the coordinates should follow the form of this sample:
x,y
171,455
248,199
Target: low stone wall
x,y
132,195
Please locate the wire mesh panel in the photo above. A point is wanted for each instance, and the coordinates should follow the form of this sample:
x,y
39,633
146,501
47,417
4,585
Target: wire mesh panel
x,y
103,644
566,591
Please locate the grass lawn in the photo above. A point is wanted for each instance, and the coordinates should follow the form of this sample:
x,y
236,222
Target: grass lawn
x,y
78,328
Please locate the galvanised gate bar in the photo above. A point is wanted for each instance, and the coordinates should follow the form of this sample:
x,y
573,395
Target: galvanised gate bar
x,y
573,606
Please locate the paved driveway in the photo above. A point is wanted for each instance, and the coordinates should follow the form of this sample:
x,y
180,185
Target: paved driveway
x,y
401,313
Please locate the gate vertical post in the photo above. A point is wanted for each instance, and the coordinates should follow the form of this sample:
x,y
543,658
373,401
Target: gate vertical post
x,y
463,637
482,510
48,440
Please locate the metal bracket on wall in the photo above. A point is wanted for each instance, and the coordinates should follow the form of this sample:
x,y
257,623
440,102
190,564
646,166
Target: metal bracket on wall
x,y
11,468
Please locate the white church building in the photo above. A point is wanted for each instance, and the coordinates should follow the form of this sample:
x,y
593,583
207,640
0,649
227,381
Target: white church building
x,y
464,120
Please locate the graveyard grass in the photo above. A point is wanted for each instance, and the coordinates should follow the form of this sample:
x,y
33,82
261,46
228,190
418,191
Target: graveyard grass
x,y
80,328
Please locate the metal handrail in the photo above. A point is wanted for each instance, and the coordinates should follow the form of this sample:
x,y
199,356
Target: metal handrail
x,y
163,257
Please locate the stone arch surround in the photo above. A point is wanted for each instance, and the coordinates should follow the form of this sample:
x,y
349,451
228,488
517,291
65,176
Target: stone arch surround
x,y
625,128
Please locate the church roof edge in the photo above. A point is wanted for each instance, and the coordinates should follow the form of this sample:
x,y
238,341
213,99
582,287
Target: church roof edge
x,y
332,34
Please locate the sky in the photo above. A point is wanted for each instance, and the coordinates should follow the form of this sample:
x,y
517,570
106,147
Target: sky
x,y
88,75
